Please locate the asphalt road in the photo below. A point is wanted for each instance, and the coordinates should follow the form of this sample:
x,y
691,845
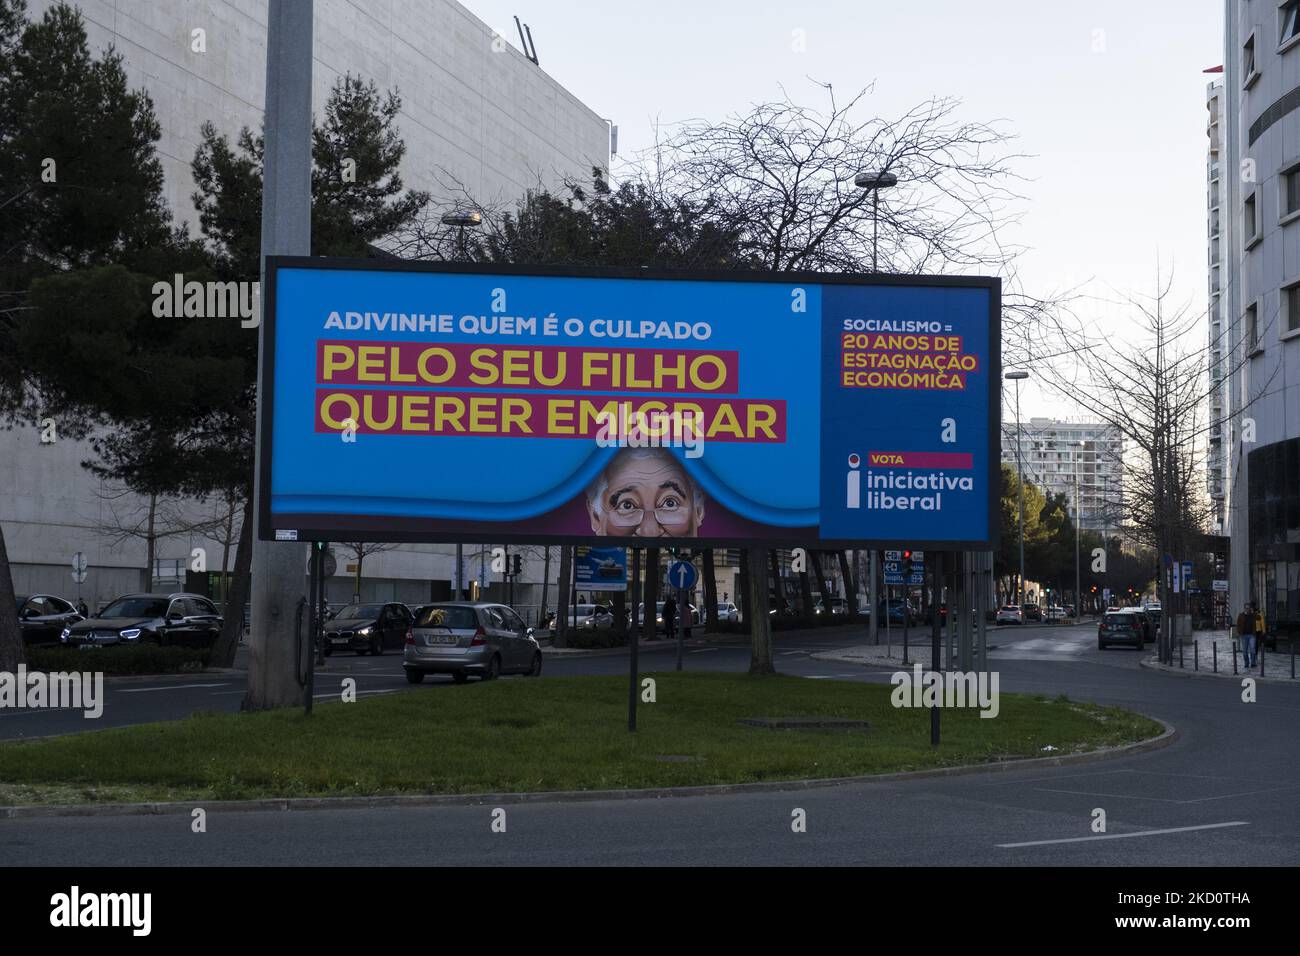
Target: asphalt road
x,y
1224,793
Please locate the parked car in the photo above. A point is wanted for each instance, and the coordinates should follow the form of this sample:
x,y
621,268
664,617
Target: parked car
x,y
1054,613
1011,614
1031,612
42,618
899,612
727,611
467,639
169,620
838,606
591,617
1121,627
368,628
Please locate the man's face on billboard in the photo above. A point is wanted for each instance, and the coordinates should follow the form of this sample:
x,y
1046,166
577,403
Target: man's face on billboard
x,y
648,498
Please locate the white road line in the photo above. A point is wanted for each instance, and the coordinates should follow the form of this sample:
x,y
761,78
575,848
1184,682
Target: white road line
x,y
145,690
1123,836
707,650
339,693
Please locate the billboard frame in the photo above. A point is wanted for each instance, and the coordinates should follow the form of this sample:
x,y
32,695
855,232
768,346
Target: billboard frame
x,y
266,410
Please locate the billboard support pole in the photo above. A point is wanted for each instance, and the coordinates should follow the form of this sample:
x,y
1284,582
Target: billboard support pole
x,y
874,621
277,578
633,639
937,579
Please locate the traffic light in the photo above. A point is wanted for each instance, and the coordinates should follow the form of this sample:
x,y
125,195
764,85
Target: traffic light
x,y
907,567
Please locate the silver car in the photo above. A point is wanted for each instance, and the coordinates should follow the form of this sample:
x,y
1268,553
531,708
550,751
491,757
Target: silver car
x,y
461,638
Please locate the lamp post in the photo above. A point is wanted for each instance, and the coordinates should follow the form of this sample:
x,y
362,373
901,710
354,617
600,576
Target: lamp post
x,y
875,181
462,220
1020,481
1078,532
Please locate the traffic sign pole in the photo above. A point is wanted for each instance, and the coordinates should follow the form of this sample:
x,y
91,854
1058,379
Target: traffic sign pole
x,y
936,570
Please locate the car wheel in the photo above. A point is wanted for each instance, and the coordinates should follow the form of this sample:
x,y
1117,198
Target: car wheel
x,y
493,669
413,676
459,676
1101,646
377,645
536,669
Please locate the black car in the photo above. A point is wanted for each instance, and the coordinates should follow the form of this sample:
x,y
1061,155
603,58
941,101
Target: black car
x,y
168,620
42,618
1122,627
368,628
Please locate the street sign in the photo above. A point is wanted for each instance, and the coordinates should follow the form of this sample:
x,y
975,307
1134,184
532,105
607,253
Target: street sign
x,y
1187,575
79,577
682,575
79,561
1220,584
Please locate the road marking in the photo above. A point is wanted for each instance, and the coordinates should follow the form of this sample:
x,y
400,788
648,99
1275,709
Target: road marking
x,y
1123,836
339,693
705,650
145,690
1116,796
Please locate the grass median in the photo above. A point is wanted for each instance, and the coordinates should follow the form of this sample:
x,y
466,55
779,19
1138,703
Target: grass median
x,y
558,733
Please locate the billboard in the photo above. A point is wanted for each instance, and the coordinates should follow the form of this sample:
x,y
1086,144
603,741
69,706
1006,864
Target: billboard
x,y
454,402
600,569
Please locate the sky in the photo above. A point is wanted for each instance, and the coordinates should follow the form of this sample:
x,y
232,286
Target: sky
x,y
1106,98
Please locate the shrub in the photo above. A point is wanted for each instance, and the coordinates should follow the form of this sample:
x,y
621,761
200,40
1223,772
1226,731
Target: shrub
x,y
119,659
594,638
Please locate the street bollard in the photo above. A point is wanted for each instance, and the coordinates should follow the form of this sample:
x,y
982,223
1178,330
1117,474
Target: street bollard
x,y
1234,657
1214,646
1180,653
1196,656
1261,659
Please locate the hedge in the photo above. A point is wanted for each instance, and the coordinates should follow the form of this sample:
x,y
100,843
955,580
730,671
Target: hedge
x,y
119,659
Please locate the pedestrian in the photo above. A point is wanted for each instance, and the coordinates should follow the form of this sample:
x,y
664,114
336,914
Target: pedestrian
x,y
670,617
1261,633
82,609
1246,634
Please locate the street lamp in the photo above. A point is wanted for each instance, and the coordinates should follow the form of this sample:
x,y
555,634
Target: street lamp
x,y
1020,480
1078,531
875,181
462,220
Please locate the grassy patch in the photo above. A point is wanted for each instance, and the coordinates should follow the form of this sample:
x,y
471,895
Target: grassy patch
x,y
560,733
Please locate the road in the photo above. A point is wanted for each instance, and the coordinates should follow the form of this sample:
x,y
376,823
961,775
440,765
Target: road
x,y
1224,793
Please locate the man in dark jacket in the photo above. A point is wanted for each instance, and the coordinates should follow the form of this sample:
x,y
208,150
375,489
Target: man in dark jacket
x,y
670,616
1246,634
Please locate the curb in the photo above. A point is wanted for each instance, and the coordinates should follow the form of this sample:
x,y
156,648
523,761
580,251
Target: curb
x,y
1151,664
1168,736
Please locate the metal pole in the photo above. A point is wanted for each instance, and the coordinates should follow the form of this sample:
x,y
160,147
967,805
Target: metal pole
x,y
633,640
286,230
313,613
1020,486
460,572
875,227
1078,545
934,644
872,602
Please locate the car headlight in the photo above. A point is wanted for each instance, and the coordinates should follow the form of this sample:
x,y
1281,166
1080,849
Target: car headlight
x,y
130,634
364,631
66,632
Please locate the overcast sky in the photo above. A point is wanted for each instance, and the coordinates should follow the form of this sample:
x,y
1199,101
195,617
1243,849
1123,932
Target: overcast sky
x,y
1108,97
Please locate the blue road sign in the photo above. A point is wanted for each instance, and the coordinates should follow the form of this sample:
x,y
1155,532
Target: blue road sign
x,y
682,575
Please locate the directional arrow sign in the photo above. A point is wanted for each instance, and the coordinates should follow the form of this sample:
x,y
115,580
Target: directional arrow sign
x,y
79,561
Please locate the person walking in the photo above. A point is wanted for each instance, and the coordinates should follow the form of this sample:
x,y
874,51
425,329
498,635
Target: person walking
x,y
670,617
1246,634
1261,632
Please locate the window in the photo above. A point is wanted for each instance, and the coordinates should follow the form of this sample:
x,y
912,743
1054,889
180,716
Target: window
x,y
1288,185
1250,220
1252,328
1248,63
1288,15
1291,307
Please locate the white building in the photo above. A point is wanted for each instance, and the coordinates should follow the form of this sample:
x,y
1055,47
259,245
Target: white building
x,y
1260,205
1216,464
474,109
1072,458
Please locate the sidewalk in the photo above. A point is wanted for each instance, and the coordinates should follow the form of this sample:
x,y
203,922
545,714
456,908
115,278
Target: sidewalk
x,y
1199,656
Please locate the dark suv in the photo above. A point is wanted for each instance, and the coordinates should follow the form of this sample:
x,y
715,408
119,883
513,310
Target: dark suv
x,y
42,618
169,620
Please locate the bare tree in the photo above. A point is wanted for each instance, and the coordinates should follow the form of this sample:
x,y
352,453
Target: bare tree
x,y
1155,391
151,519
359,551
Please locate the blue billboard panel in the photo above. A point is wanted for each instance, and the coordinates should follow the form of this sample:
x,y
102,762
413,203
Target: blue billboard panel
x,y
600,569
460,403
